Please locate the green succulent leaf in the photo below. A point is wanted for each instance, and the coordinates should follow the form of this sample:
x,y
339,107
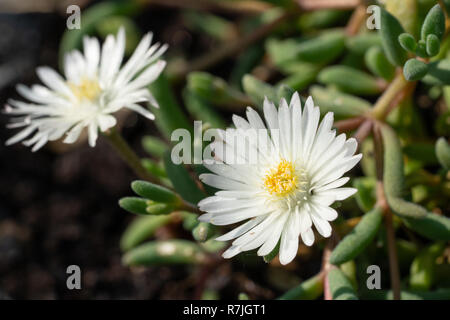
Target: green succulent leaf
x,y
365,197
393,177
301,75
431,226
202,110
423,268
134,205
322,49
434,23
168,252
154,146
414,70
407,42
340,286
141,229
341,104
357,240
443,152
378,64
170,116
154,192
309,289
350,80
257,90
438,73
160,208
433,45
362,42
389,32
182,181
213,90
203,231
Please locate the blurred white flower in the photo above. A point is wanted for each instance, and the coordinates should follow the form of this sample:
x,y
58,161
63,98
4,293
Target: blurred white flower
x,y
291,187
94,87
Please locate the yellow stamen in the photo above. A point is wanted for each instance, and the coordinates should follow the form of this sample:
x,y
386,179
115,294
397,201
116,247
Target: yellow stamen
x,y
282,179
87,89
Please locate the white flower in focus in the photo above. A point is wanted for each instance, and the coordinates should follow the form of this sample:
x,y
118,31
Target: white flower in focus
x,y
290,188
94,87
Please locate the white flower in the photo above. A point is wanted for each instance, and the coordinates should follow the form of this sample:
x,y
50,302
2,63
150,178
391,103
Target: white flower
x,y
290,188
94,87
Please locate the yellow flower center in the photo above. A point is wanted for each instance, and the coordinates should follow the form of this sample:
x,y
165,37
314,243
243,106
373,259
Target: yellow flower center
x,y
87,89
282,179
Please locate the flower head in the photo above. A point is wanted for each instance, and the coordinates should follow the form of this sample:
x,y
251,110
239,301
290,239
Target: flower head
x,y
289,189
94,87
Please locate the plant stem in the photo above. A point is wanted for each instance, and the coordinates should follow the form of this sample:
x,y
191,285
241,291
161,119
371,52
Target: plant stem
x,y
348,124
380,110
363,131
327,266
392,253
127,154
356,20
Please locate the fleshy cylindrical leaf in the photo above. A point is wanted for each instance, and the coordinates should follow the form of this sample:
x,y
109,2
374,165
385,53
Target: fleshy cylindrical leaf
x,y
433,45
141,229
360,43
203,231
160,208
422,268
443,152
167,252
134,205
407,42
393,177
341,104
153,192
322,49
377,62
154,146
414,70
431,226
434,23
307,290
350,80
257,89
390,30
357,240
340,286
438,73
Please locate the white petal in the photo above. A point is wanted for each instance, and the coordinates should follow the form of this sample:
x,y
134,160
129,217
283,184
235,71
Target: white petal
x,y
308,237
92,134
231,252
222,182
340,193
321,225
237,232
